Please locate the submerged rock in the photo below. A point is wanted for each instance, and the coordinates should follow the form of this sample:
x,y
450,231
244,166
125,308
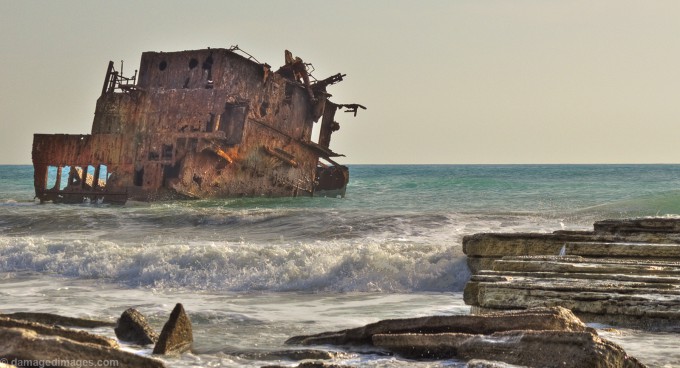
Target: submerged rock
x,y
133,327
176,336
545,349
24,344
536,319
297,354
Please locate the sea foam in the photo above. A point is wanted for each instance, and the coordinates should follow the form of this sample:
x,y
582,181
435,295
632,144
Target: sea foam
x,y
319,266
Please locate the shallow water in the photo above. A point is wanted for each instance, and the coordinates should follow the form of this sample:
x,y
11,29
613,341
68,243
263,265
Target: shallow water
x,y
229,324
252,272
231,327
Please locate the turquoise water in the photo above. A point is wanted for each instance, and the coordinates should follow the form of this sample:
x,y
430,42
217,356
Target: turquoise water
x,y
464,188
398,229
256,270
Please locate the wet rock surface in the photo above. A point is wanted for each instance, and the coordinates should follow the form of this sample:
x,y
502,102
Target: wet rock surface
x,y
310,365
545,337
177,334
658,226
55,319
482,363
47,330
132,327
625,272
547,349
538,319
25,344
24,340
290,354
614,272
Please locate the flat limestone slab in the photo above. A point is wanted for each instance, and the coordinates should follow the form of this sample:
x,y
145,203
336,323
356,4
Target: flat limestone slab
x,y
541,337
644,293
536,319
548,349
647,309
640,225
526,244
483,250
48,330
623,250
55,319
571,264
505,275
623,271
26,344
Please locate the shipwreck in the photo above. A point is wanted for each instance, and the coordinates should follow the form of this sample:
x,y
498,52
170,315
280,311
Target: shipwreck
x,y
209,123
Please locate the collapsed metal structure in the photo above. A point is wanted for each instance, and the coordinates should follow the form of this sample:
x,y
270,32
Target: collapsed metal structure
x,y
198,124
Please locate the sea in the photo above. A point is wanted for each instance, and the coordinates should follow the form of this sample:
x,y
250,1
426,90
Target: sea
x,y
252,272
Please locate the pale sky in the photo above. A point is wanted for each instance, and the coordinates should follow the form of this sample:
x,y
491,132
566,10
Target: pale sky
x,y
460,82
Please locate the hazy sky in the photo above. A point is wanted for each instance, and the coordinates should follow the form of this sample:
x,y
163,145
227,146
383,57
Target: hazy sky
x,y
451,81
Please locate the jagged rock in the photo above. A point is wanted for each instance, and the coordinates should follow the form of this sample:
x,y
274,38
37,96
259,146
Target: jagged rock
x,y
55,319
176,336
536,319
133,327
545,349
46,330
23,344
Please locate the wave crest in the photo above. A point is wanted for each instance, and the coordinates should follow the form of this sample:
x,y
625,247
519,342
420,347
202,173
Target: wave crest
x,y
340,266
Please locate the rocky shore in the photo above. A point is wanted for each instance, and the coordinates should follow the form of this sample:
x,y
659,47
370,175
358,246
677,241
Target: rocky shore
x,y
625,272
545,337
27,344
500,339
530,295
42,339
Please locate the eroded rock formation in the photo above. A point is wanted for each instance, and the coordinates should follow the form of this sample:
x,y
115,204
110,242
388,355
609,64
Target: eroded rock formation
x,y
28,345
543,337
545,349
177,335
133,327
47,330
624,272
55,319
538,319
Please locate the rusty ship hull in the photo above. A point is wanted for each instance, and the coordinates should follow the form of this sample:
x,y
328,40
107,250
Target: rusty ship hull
x,y
208,123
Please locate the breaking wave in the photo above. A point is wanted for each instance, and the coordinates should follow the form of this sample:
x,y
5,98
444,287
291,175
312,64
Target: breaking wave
x,y
399,229
312,267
